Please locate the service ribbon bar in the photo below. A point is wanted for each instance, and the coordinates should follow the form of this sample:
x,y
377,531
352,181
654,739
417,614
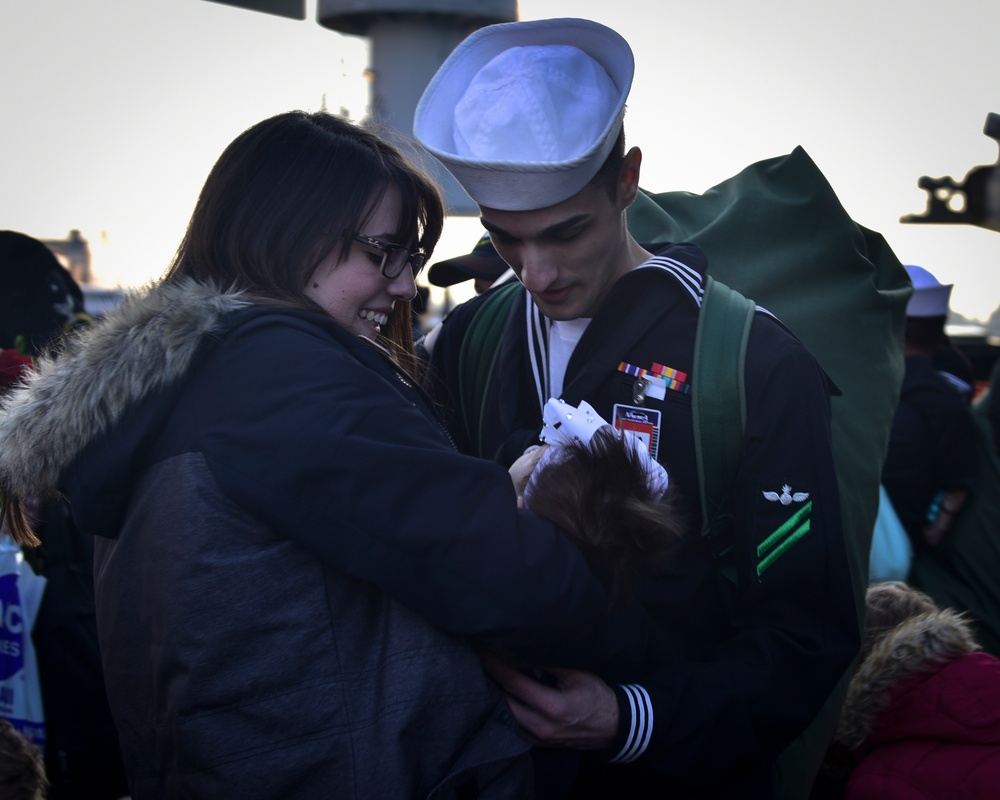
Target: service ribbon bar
x,y
631,369
673,378
669,373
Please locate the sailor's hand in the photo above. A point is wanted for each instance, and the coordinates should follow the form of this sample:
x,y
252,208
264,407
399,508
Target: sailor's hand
x,y
580,711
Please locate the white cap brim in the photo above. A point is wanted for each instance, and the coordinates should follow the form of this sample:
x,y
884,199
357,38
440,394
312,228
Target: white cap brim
x,y
930,297
929,301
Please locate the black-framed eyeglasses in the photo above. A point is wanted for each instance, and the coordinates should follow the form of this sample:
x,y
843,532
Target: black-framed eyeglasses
x,y
394,256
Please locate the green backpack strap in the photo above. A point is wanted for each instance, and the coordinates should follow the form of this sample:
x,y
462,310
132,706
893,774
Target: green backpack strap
x,y
478,356
719,402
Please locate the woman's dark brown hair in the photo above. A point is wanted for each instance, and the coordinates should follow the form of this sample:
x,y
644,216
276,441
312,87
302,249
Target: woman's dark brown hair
x,y
287,192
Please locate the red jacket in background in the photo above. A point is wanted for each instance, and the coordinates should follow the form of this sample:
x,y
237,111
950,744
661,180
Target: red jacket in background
x,y
939,736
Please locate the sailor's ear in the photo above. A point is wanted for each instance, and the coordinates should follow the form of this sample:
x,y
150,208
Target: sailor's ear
x,y
628,179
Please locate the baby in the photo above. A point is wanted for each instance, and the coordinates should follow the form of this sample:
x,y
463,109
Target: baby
x,y
604,490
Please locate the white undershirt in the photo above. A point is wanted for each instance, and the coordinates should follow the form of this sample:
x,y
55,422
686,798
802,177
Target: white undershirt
x,y
563,338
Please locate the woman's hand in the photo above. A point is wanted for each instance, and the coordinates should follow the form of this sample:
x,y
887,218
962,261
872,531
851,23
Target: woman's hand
x,y
521,469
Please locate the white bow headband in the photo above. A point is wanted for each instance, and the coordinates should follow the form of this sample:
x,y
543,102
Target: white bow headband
x,y
565,425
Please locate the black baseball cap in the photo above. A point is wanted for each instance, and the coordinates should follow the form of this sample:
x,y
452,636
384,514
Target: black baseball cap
x,y
482,262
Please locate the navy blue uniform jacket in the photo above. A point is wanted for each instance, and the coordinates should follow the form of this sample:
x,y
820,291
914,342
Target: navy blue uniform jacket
x,y
747,674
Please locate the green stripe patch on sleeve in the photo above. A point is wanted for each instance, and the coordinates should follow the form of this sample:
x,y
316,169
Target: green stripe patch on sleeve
x,y
787,534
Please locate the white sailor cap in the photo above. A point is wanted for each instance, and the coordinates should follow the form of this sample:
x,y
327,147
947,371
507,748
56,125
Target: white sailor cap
x,y
523,114
930,297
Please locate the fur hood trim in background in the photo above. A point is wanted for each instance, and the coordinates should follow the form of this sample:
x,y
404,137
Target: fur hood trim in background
x,y
919,644
145,343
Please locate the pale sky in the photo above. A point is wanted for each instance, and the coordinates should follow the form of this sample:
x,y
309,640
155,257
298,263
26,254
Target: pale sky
x,y
115,110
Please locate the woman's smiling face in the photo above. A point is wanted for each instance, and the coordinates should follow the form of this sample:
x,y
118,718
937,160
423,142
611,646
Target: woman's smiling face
x,y
352,290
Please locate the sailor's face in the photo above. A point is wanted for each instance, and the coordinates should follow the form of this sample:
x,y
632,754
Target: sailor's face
x,y
568,255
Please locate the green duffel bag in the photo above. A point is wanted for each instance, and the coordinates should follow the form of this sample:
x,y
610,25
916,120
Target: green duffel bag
x,y
777,233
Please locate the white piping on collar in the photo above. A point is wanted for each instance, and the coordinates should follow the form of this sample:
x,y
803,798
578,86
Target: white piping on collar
x,y
538,349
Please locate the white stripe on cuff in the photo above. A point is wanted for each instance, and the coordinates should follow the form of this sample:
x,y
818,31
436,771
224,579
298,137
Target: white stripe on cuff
x,y
641,727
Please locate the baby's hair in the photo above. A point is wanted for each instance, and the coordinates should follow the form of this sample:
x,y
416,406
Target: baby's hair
x,y
599,495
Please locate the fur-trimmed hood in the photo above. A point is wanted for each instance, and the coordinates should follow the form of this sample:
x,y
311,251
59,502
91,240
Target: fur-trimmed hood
x,y
920,644
141,346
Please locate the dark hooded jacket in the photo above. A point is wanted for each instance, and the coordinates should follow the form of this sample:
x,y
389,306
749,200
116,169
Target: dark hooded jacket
x,y
292,559
39,299
932,446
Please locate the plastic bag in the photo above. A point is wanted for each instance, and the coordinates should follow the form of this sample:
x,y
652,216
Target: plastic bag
x,y
891,552
20,691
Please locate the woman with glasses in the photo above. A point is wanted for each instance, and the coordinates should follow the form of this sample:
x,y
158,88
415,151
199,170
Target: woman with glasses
x,y
294,566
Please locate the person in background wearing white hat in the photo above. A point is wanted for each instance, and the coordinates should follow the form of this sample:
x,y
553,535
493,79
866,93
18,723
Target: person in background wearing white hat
x,y
926,318
930,465
529,118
